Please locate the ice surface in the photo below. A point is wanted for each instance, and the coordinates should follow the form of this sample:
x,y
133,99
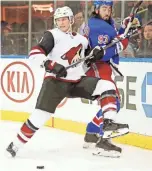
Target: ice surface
x,y
58,150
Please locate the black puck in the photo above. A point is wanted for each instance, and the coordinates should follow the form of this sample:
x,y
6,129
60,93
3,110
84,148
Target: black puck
x,y
40,167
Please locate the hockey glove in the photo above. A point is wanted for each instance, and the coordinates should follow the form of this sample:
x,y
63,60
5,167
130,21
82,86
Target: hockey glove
x,y
96,54
135,23
55,68
121,45
125,22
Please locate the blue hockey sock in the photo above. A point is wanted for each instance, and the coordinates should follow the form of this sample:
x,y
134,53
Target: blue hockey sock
x,y
95,124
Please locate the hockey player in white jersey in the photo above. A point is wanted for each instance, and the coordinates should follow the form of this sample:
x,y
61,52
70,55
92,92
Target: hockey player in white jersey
x,y
62,47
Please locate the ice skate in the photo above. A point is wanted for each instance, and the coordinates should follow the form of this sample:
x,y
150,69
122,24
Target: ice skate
x,y
12,149
105,148
113,129
90,140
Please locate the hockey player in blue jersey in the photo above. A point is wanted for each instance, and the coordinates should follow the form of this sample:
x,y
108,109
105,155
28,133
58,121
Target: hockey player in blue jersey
x,y
101,31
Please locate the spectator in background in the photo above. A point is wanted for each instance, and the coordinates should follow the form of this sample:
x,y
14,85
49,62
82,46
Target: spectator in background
x,y
6,41
15,27
79,24
5,28
128,52
23,39
79,19
146,43
15,36
50,23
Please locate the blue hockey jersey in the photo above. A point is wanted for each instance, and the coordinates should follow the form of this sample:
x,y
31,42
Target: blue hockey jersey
x,y
101,33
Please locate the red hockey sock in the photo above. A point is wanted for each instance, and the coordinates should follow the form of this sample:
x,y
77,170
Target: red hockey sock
x,y
26,132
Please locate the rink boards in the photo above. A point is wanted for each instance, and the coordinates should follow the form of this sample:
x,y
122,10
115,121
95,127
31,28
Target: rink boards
x,y
21,81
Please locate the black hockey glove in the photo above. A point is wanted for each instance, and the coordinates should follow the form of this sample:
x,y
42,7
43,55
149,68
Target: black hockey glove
x,y
96,54
55,68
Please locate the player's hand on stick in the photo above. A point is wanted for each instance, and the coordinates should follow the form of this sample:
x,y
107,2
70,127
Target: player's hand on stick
x,y
135,23
96,54
55,68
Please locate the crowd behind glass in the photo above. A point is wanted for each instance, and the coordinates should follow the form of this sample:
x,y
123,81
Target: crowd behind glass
x,y
15,24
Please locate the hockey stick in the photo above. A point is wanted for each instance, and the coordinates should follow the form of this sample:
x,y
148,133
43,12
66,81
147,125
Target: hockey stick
x,y
104,48
133,33
132,15
109,45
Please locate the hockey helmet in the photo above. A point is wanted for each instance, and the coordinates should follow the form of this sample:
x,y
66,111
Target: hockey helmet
x,y
98,3
64,12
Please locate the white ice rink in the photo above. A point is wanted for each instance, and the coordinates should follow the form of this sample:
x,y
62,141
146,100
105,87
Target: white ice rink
x,y
62,151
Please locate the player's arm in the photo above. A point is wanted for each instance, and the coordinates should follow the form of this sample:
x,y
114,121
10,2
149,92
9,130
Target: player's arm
x,y
98,53
111,51
44,47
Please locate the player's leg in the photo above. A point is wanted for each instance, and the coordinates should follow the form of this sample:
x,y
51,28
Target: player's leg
x,y
91,88
108,103
95,126
51,94
84,89
119,129
104,71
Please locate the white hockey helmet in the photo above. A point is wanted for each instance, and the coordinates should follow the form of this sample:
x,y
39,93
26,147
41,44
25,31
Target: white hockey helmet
x,y
64,12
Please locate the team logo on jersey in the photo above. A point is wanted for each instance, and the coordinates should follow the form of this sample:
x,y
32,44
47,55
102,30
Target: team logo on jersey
x,y
73,55
103,39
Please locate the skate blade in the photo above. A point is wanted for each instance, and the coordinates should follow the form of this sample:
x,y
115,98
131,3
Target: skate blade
x,y
104,153
89,145
114,134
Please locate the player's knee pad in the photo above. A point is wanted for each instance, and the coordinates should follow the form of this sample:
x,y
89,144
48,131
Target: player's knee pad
x,y
103,86
109,94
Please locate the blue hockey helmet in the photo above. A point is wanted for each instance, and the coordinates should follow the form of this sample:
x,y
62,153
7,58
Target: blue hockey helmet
x,y
98,3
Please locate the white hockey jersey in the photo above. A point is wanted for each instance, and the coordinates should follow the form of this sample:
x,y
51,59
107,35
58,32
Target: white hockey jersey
x,y
66,49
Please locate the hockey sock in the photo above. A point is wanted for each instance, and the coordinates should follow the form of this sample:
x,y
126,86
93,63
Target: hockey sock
x,y
96,123
26,132
36,120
